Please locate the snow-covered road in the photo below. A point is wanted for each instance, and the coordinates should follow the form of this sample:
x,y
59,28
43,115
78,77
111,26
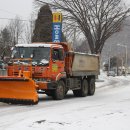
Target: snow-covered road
x,y
108,109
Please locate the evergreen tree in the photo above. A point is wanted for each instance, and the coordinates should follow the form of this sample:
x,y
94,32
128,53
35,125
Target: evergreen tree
x,y
43,25
5,43
5,34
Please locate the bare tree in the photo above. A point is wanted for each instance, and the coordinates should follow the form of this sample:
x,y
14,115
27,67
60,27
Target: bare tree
x,y
10,35
16,28
28,33
96,19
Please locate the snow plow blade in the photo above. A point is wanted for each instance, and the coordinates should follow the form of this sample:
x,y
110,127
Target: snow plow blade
x,y
18,90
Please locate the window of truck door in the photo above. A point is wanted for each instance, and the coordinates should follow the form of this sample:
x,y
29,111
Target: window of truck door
x,y
57,60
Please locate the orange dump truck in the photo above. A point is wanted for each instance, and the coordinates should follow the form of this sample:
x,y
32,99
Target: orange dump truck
x,y
48,68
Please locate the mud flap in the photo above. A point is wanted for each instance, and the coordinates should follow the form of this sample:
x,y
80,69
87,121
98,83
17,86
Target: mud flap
x,y
18,90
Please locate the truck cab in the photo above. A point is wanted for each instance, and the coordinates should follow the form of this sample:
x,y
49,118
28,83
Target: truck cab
x,y
47,60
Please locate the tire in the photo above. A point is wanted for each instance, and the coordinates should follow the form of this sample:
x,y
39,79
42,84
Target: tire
x,y
59,92
76,93
91,89
83,92
49,93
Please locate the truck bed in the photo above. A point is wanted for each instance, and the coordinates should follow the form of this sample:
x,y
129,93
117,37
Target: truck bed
x,y
85,64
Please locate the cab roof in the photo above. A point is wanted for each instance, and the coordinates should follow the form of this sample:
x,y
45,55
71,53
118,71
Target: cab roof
x,y
37,45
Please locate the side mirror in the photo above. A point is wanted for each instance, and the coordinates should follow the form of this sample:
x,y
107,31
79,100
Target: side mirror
x,y
12,48
12,56
22,56
13,53
31,56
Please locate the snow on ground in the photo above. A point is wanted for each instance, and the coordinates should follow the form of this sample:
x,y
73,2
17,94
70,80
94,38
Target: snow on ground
x,y
108,109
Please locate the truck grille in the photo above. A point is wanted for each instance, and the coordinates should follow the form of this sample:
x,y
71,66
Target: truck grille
x,y
15,73
37,74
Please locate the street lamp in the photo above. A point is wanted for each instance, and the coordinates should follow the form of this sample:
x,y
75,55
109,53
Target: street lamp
x,y
109,60
125,56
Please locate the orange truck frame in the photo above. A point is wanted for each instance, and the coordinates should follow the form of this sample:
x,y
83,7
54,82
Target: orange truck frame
x,y
47,68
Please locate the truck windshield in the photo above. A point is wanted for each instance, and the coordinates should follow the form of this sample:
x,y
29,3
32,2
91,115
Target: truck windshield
x,y
39,56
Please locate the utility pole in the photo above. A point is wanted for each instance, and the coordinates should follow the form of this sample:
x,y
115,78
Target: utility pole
x,y
126,57
74,40
109,60
31,29
126,65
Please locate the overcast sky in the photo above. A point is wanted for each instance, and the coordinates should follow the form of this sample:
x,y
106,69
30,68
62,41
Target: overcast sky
x,y
11,8
23,8
127,1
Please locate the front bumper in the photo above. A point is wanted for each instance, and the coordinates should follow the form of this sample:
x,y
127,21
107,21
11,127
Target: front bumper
x,y
44,85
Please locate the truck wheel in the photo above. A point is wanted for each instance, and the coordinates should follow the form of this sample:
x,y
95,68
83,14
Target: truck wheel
x,y
76,93
91,89
84,88
59,92
83,92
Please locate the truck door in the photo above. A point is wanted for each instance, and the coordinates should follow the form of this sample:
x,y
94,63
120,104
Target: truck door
x,y
57,61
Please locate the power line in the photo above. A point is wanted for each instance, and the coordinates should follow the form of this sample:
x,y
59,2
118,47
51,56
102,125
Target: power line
x,y
127,24
24,19
20,19
7,11
15,19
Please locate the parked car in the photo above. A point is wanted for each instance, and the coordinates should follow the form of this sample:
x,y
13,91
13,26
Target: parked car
x,y
111,73
1,64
